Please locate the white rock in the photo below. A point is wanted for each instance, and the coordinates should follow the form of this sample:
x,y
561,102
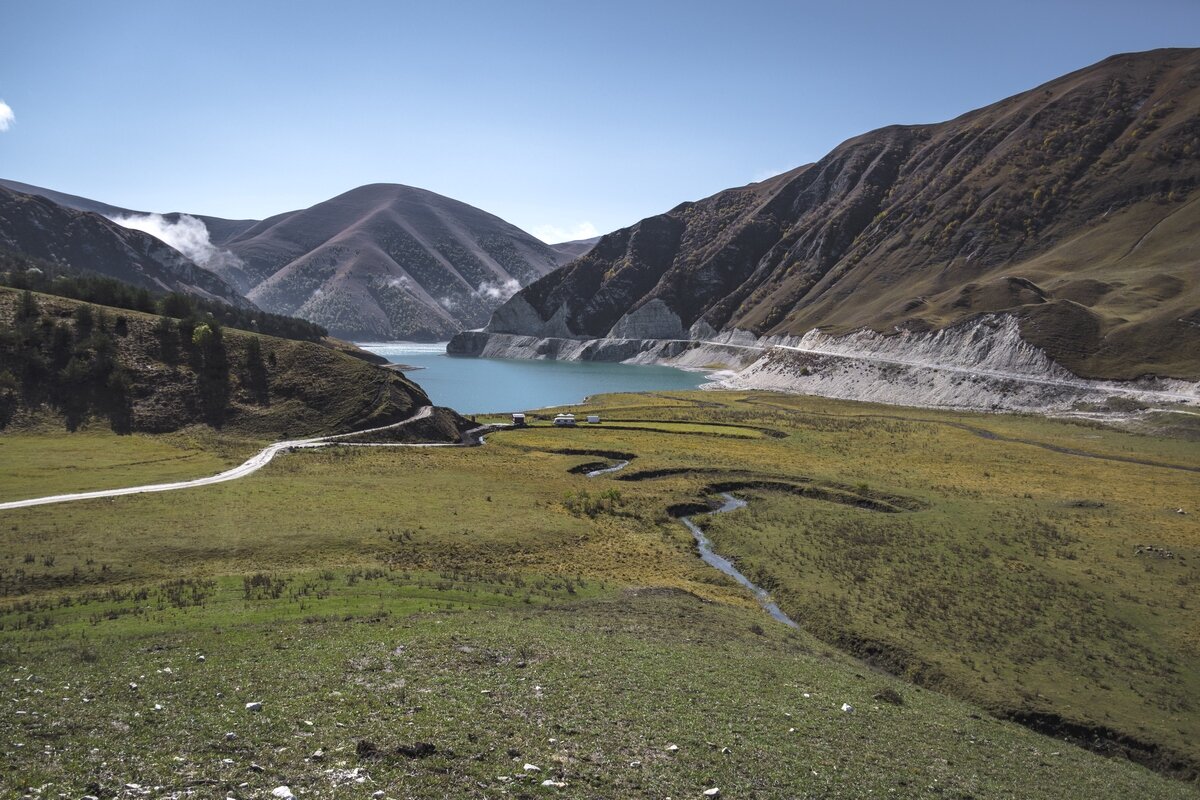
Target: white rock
x,y
635,764
380,794
849,709
555,784
133,686
255,706
200,659
158,706
672,748
807,695
532,768
282,792
229,737
713,792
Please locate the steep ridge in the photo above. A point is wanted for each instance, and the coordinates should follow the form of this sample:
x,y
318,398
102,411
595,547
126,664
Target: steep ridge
x,y
382,261
84,240
219,229
386,261
1070,207
577,247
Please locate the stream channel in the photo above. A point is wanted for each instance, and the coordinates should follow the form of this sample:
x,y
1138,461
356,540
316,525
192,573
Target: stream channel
x,y
713,559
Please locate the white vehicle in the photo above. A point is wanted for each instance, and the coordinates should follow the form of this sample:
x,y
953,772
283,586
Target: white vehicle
x,y
593,419
565,419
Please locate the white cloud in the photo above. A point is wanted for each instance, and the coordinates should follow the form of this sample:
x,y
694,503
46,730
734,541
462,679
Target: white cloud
x,y
7,118
553,234
498,291
188,235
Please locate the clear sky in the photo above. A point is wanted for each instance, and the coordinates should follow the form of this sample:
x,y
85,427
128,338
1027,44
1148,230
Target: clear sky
x,y
561,117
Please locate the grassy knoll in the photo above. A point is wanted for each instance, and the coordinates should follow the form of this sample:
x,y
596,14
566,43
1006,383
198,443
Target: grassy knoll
x,y
423,595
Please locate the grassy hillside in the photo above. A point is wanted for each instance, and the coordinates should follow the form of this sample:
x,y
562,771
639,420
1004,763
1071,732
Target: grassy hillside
x,y
506,609
1072,206
73,362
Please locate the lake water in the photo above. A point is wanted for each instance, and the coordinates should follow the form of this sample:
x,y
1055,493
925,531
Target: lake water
x,y
481,385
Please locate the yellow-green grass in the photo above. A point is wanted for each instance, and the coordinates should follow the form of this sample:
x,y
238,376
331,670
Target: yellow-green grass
x,y
1013,584
56,462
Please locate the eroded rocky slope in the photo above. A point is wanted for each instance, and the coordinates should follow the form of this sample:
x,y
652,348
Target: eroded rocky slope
x,y
1071,208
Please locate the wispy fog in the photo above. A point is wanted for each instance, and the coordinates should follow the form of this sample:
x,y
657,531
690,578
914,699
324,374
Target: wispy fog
x,y
188,235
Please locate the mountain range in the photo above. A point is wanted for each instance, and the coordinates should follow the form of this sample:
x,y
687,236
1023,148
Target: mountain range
x,y
1071,206
39,227
382,261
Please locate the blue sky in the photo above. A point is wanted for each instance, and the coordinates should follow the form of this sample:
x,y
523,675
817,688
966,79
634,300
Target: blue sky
x,y
561,117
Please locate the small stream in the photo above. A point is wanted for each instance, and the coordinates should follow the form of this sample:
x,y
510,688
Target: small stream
x,y
711,558
726,566
620,465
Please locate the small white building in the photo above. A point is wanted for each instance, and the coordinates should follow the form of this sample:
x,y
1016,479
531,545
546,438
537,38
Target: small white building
x,y
518,420
565,419
593,419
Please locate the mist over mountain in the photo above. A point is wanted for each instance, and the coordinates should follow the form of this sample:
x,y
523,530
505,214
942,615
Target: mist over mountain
x,y
381,261
86,240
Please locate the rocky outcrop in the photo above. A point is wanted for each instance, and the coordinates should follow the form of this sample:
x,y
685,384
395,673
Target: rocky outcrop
x,y
1070,207
979,364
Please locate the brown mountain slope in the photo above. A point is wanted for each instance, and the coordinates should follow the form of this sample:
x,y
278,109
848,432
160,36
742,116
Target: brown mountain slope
x,y
577,247
386,261
382,261
1072,205
84,240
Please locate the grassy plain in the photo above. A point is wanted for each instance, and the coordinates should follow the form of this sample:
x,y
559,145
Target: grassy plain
x,y
469,598
53,461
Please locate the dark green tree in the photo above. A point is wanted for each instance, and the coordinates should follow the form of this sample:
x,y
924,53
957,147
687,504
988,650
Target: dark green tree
x,y
212,374
85,320
28,309
256,378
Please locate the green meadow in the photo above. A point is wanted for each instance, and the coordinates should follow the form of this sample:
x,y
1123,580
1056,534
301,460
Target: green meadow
x,y
426,622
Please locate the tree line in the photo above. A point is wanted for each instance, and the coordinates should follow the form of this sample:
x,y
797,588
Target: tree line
x,y
75,366
19,271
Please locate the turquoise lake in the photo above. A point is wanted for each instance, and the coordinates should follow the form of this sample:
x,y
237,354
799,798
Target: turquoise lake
x,y
481,385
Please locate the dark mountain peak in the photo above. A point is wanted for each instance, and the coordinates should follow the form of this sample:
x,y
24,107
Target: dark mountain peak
x,y
388,261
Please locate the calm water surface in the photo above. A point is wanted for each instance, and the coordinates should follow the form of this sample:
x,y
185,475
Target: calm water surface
x,y
480,385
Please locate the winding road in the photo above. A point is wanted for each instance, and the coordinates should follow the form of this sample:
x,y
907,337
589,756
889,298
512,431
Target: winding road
x,y
250,466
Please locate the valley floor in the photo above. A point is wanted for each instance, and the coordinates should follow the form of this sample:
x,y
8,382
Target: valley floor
x,y
501,606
